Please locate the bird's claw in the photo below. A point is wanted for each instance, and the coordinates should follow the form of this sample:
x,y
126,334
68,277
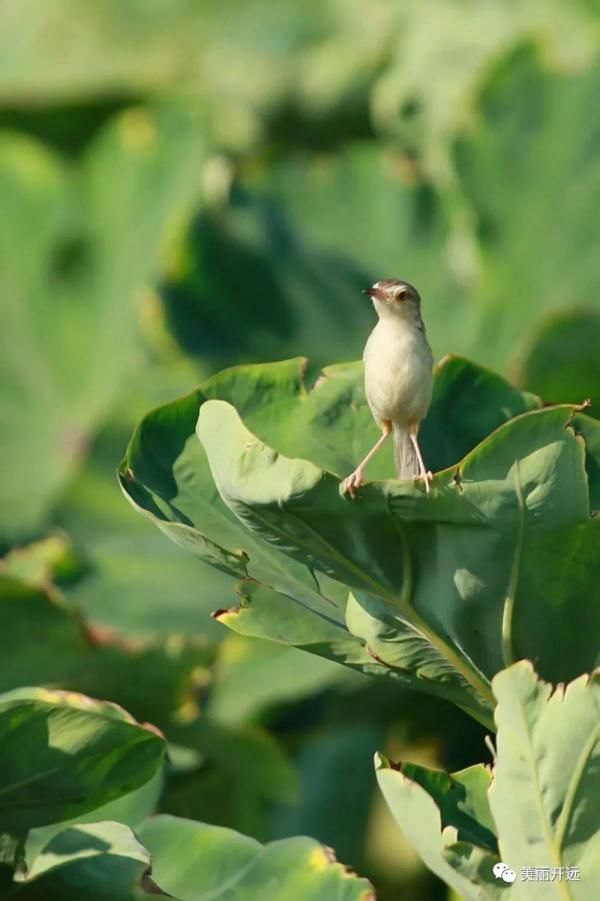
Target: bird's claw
x,y
352,483
424,477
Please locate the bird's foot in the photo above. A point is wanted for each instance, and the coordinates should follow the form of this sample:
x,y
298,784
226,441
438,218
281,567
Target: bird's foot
x,y
424,477
354,481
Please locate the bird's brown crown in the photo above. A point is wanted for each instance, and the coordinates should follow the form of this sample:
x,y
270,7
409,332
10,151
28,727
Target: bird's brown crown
x,y
393,289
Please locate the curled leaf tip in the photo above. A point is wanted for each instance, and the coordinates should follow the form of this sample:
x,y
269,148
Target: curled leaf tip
x,y
330,854
217,614
150,727
381,761
148,885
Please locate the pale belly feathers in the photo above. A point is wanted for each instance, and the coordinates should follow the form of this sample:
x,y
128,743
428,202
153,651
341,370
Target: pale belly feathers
x,y
398,373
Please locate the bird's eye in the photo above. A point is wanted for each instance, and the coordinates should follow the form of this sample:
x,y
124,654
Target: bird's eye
x,y
401,293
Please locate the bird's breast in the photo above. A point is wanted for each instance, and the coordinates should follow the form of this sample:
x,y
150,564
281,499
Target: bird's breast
x,y
398,372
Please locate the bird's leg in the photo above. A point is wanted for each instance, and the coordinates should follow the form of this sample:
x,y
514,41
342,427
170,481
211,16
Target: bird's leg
x,y
423,473
356,478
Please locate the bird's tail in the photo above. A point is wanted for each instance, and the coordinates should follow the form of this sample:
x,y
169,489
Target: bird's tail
x,y
407,466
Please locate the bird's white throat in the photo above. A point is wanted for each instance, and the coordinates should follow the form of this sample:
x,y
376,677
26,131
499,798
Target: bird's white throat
x,y
395,312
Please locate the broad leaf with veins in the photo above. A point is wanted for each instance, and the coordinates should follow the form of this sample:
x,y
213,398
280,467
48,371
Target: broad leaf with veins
x,y
535,810
438,591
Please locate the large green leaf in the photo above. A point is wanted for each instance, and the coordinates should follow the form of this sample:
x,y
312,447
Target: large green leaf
x,y
538,805
282,504
77,249
561,361
515,500
128,811
236,770
429,89
437,813
62,754
166,474
242,257
187,860
364,202
102,856
535,129
193,861
96,861
546,790
444,587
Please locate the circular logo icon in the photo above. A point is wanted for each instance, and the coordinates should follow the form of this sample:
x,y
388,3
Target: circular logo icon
x,y
501,871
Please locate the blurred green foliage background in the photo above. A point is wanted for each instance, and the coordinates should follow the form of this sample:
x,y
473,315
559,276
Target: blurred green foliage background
x,y
186,185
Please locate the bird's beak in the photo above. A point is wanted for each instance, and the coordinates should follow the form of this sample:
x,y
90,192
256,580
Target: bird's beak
x,y
374,293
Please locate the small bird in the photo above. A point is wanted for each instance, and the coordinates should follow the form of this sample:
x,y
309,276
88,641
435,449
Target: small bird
x,y
398,378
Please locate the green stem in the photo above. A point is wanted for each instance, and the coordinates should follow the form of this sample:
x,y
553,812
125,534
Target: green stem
x,y
508,654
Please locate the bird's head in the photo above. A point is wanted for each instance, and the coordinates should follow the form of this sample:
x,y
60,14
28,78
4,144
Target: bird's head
x,y
393,297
